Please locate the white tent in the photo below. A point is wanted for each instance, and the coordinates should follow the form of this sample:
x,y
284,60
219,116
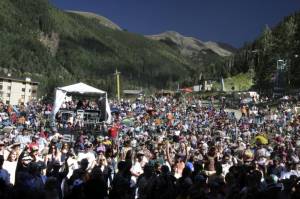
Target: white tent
x,y
80,88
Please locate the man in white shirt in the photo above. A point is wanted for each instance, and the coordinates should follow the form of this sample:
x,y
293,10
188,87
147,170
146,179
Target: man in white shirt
x,y
292,170
89,155
136,169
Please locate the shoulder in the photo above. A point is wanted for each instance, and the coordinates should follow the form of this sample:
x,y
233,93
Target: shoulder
x,y
4,172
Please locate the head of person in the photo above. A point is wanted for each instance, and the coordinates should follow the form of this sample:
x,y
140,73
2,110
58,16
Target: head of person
x,y
69,125
65,148
187,172
24,132
53,149
88,147
84,164
56,165
121,166
148,170
212,151
96,173
26,160
165,170
102,161
34,151
140,156
13,156
198,166
34,139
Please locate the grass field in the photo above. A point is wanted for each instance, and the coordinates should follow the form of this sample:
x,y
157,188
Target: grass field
x,y
240,82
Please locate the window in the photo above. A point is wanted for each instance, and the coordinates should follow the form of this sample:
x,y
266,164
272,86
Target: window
x,y
1,87
8,87
7,102
33,91
23,89
8,95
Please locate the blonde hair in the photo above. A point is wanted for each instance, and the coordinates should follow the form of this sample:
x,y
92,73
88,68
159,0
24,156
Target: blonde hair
x,y
9,158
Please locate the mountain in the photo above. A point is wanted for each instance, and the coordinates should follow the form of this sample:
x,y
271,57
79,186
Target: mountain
x,y
57,48
102,20
209,58
189,45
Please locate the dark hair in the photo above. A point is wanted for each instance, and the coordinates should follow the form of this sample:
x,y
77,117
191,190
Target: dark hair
x,y
186,172
165,169
51,148
148,170
121,165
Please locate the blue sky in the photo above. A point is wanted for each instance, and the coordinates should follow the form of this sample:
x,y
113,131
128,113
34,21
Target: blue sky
x,y
231,21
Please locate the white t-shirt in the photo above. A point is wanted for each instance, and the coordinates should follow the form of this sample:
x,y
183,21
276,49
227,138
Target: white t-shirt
x,y
226,168
73,165
136,168
288,174
177,133
89,156
11,169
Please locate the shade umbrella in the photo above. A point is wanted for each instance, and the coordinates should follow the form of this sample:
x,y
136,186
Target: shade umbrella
x,y
127,121
115,110
261,139
247,100
7,129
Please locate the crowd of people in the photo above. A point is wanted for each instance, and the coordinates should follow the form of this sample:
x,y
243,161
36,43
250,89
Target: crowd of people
x,y
159,147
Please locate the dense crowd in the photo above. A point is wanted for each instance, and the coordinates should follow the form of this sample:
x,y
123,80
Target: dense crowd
x,y
160,147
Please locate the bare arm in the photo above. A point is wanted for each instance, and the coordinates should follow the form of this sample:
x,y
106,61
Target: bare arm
x,y
186,153
168,154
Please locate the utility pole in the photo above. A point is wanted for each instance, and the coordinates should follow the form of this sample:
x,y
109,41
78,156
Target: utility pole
x,y
117,74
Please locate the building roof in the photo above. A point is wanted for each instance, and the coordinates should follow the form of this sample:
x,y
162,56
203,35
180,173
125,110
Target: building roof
x,y
132,92
81,88
18,80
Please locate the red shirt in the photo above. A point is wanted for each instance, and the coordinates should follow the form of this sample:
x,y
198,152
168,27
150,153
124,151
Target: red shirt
x,y
33,145
113,132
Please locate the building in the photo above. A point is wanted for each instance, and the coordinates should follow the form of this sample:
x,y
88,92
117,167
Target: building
x,y
280,81
15,91
208,85
133,92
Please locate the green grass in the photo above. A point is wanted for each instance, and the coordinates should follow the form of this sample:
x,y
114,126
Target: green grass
x,y
240,82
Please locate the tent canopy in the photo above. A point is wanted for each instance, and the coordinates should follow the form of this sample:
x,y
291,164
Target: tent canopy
x,y
81,88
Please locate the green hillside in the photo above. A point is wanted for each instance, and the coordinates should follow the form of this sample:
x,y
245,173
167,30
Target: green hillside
x,y
57,48
279,42
102,20
239,82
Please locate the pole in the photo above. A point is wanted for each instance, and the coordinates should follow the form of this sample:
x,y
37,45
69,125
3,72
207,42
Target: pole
x,y
118,84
